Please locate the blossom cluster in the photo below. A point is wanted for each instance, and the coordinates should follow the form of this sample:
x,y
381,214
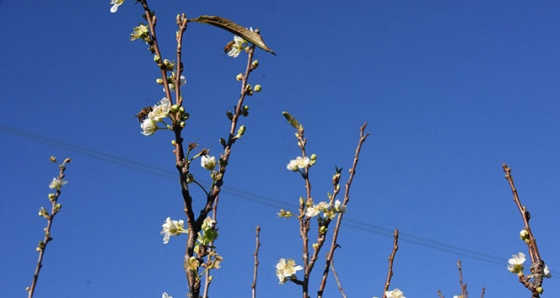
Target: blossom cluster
x,y
315,210
157,114
515,265
286,269
299,163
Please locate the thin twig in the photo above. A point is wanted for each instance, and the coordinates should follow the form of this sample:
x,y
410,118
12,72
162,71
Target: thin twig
x,y
391,261
464,292
256,264
55,207
330,254
337,279
482,294
440,295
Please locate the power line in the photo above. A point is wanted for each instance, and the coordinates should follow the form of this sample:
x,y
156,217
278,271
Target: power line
x,y
267,201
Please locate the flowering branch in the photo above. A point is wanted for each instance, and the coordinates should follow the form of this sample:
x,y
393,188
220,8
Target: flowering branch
x,y
538,267
285,270
256,265
56,184
391,260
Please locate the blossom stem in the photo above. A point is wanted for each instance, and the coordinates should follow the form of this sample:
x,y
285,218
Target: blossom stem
x,y
43,245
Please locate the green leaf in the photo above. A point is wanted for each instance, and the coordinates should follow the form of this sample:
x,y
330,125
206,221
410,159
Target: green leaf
x,y
291,119
234,28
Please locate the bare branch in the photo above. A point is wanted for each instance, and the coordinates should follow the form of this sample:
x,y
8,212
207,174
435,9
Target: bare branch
x,y
391,260
256,265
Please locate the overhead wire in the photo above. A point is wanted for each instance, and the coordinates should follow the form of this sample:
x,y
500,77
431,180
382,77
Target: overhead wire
x,y
267,201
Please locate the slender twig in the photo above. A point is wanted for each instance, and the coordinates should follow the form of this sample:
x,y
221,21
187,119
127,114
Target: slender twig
x,y
525,215
440,295
464,292
391,261
182,22
337,280
152,21
482,294
537,264
256,264
330,254
55,207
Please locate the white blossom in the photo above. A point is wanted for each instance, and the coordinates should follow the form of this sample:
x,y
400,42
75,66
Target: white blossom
x,y
547,273
312,211
149,126
172,228
161,110
339,207
157,114
116,4
286,269
57,183
165,295
298,163
238,46
396,293
515,264
208,162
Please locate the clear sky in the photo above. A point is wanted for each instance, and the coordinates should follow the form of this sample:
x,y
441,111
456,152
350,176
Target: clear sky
x,y
450,91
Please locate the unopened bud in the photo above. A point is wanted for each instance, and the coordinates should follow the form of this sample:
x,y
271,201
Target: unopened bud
x,y
255,64
258,88
524,234
239,77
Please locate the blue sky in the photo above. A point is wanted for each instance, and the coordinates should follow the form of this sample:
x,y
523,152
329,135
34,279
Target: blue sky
x,y
450,91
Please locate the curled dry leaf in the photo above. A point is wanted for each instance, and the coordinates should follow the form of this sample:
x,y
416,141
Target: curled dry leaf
x,y
234,28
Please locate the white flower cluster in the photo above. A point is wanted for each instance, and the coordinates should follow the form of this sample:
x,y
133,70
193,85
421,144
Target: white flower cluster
x,y
298,164
286,269
324,207
515,265
158,113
